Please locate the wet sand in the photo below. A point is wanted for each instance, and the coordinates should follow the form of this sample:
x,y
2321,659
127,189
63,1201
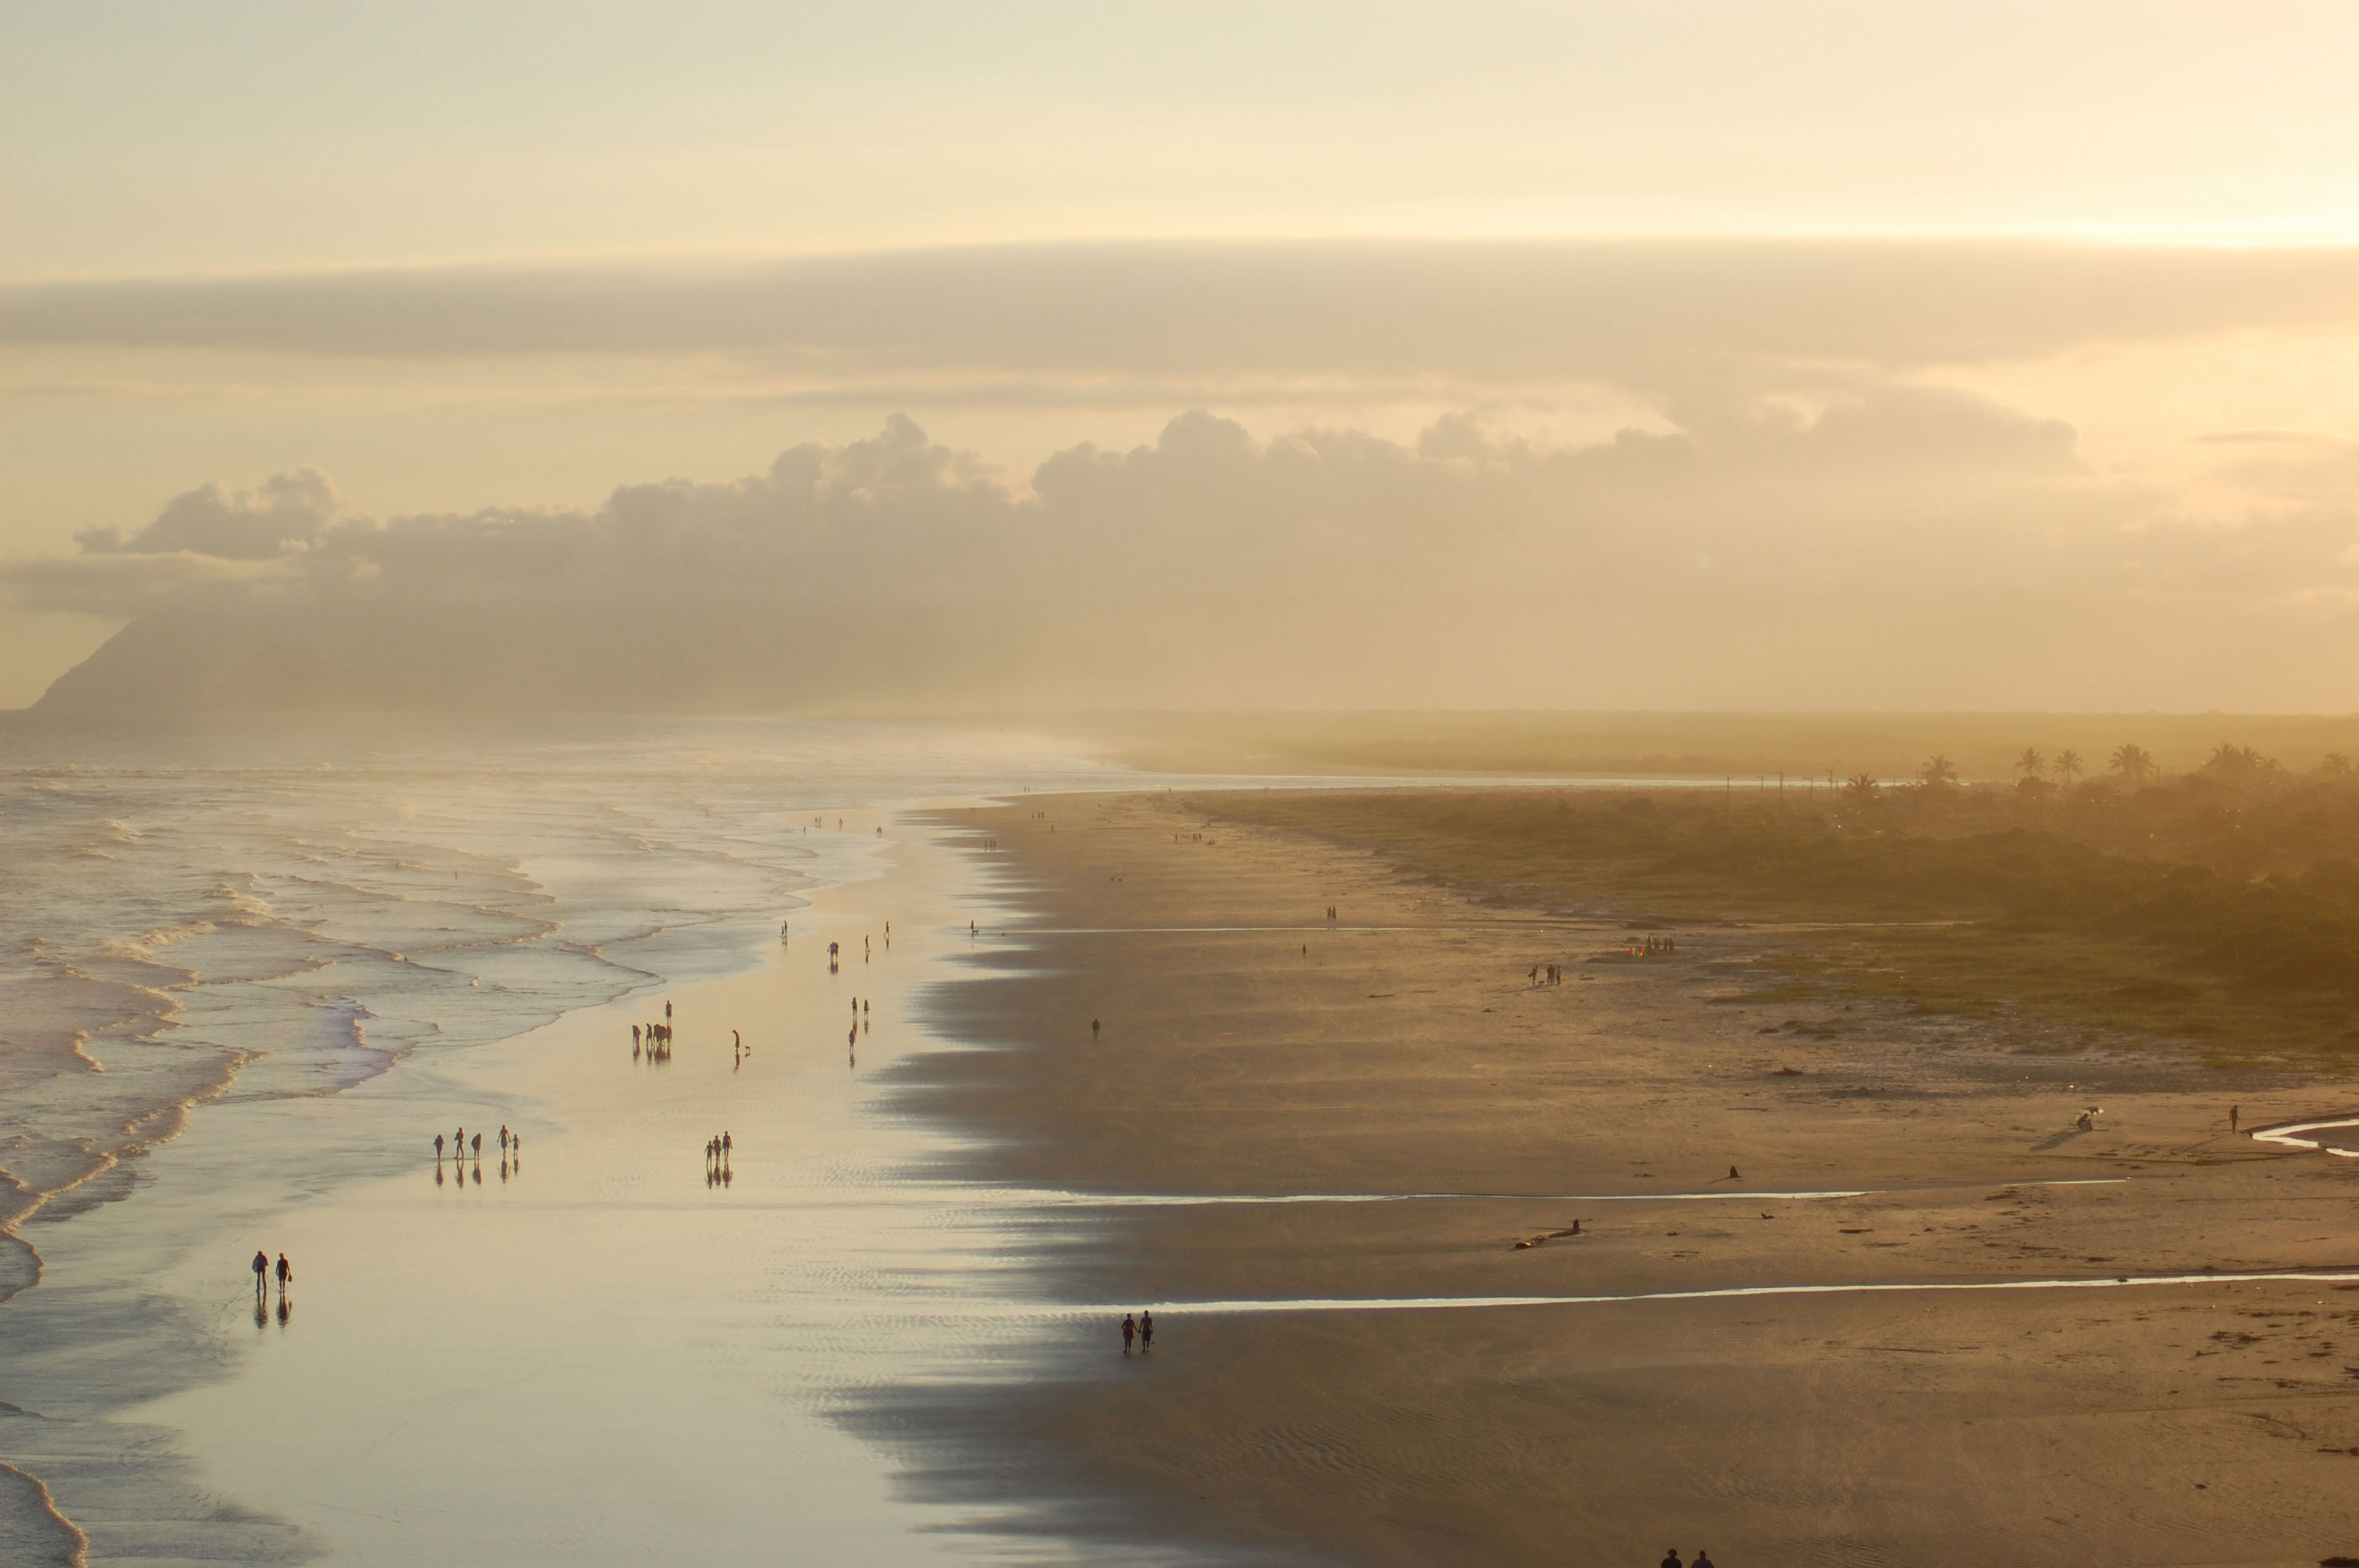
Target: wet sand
x,y
1251,1047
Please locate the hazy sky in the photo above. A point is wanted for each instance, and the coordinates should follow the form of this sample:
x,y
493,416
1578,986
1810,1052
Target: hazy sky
x,y
2020,334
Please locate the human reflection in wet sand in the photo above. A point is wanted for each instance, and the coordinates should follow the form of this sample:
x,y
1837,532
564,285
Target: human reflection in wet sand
x,y
285,1311
261,1312
438,1173
479,1172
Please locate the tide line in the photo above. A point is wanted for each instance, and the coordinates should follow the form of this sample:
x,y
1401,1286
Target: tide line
x,y
1433,1303
1194,1200
2288,1136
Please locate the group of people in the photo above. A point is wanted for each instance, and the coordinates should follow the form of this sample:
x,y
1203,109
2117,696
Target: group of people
x,y
1655,946
462,1145
1546,974
717,1149
1672,1559
656,1037
1139,1329
510,1142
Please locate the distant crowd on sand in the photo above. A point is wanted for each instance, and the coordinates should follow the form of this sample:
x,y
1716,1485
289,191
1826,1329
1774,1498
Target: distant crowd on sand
x,y
1671,1560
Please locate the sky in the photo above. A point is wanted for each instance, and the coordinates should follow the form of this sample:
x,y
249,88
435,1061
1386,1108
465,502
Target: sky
x,y
1600,355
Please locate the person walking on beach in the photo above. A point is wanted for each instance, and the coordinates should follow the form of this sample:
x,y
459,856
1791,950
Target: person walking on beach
x,y
284,1273
2232,1122
1094,1027
1672,1559
1129,1326
726,1145
479,1146
1702,1559
1146,1331
437,1148
262,1268
503,1137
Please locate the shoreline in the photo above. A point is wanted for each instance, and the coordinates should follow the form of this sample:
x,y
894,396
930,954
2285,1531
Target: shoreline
x,y
141,1459
1251,1049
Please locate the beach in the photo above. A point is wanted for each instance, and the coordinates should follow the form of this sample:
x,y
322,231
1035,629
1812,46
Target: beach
x,y
1848,1283
594,1352
1706,1140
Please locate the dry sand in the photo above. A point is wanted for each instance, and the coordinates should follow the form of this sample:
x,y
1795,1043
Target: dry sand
x,y
1403,1052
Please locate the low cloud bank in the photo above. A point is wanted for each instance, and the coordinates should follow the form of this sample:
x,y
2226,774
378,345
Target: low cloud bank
x,y
1899,547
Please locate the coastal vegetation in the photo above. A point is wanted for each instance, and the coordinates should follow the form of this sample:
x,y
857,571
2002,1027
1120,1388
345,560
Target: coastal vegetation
x,y
2220,904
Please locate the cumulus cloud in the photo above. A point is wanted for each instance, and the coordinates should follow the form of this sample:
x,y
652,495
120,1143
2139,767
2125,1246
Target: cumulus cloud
x,y
1891,546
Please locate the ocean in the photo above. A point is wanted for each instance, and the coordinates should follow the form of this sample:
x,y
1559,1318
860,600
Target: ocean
x,y
250,964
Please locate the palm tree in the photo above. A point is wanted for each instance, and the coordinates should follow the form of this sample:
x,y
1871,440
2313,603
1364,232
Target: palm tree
x,y
2135,763
2068,766
1938,772
1861,789
2234,761
2031,764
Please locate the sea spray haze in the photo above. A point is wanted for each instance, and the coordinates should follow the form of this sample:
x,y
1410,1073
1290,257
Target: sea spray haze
x,y
268,907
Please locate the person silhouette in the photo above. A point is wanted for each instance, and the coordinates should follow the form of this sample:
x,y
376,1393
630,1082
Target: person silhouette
x,y
1672,1559
479,1146
1146,1330
1703,1559
261,1270
726,1145
437,1148
284,1273
1129,1329
1094,1027
666,1012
